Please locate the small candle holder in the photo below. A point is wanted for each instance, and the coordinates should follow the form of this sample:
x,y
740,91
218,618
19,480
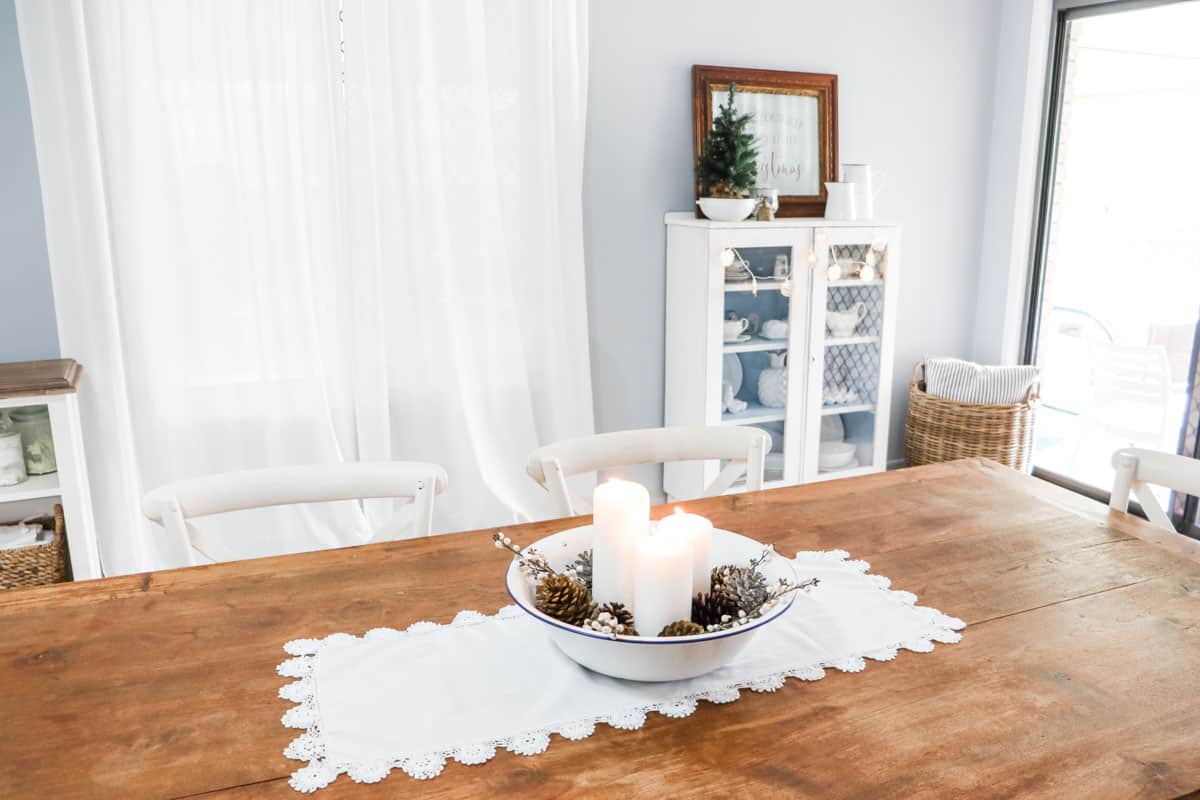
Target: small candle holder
x,y
751,586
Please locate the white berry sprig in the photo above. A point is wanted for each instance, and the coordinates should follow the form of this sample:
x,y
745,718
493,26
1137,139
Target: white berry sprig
x,y
533,563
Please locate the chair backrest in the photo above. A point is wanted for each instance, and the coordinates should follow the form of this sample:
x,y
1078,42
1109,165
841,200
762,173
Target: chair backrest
x,y
174,504
1136,469
745,449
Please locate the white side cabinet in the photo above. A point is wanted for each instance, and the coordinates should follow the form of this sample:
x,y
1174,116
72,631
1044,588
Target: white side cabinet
x,y
52,384
816,381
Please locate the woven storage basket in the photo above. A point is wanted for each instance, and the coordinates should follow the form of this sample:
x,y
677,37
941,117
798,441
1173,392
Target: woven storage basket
x,y
39,564
944,430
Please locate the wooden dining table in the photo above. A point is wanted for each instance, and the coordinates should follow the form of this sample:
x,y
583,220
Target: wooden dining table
x,y
1078,675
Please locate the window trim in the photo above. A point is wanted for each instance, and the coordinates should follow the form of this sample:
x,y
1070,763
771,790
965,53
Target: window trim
x,y
1048,158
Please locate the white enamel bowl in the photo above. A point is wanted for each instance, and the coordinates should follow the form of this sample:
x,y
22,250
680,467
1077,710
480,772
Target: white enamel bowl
x,y
727,209
649,658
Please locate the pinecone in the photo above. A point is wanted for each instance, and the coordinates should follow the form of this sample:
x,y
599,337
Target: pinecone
x,y
564,598
613,616
581,568
745,585
681,627
714,608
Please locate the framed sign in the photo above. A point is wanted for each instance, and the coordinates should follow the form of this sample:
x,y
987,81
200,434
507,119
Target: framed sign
x,y
795,126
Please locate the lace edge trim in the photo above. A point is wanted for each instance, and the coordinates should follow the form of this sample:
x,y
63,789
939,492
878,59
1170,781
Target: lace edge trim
x,y
319,773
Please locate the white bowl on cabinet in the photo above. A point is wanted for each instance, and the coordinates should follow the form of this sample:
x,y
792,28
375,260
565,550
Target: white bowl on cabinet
x,y
727,209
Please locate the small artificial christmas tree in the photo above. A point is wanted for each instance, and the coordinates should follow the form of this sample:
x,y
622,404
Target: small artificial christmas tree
x,y
729,163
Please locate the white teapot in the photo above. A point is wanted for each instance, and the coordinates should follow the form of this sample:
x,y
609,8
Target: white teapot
x,y
843,323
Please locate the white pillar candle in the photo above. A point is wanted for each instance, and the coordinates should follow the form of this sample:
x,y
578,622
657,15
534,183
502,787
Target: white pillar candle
x,y
620,519
662,582
697,531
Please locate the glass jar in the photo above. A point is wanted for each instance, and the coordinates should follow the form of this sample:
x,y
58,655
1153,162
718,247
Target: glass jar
x,y
33,423
12,456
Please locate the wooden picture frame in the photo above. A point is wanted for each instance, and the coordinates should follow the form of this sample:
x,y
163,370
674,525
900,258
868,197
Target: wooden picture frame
x,y
798,147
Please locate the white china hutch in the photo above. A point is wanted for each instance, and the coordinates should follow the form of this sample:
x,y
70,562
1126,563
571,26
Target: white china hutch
x,y
838,372
52,385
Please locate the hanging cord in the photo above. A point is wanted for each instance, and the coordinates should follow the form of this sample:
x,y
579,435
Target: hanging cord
x,y
744,264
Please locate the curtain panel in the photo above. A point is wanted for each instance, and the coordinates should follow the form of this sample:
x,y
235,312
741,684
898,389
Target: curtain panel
x,y
296,231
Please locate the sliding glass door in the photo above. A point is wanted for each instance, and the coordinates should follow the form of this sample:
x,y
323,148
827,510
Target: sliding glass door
x,y
1116,290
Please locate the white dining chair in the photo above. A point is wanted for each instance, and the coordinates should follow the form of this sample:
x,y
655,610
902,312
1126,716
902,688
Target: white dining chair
x,y
174,505
1136,469
745,449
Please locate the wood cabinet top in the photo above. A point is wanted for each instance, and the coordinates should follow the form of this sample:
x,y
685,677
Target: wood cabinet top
x,y
33,378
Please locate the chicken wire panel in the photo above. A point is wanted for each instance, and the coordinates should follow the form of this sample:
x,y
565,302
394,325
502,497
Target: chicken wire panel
x,y
858,253
854,367
854,252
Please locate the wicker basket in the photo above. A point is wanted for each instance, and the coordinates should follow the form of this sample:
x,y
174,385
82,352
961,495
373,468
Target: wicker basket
x,y
39,564
944,430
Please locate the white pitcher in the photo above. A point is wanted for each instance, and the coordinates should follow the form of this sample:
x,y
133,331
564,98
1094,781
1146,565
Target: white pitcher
x,y
845,322
839,201
861,175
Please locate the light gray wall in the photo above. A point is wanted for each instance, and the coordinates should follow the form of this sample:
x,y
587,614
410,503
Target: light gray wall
x,y
1024,43
27,327
915,99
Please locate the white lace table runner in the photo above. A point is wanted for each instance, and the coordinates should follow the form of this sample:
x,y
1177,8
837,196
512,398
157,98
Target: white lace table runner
x,y
411,699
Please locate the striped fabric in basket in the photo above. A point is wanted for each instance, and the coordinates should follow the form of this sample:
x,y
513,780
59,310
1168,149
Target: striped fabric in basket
x,y
967,382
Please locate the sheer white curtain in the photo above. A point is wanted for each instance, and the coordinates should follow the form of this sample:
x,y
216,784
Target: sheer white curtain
x,y
266,253
465,151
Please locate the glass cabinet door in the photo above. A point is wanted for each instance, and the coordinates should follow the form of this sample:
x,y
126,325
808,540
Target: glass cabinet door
x,y
847,354
763,325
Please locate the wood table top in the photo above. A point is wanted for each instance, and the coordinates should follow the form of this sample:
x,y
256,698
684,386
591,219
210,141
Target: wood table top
x,y
1076,677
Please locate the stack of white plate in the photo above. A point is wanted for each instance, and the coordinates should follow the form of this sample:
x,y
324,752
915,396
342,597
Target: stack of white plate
x,y
837,455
